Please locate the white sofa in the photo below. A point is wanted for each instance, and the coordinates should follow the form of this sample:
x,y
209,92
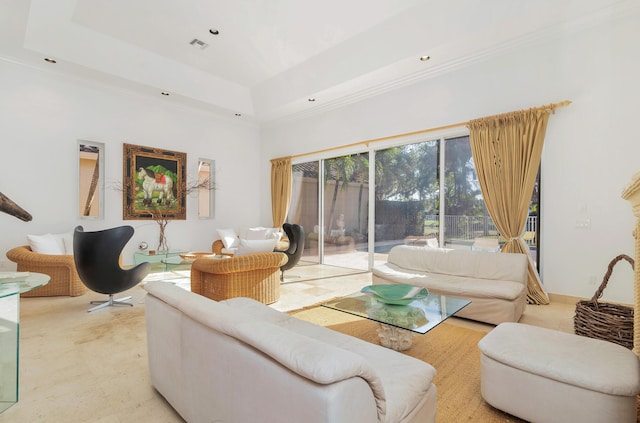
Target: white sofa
x,y
241,361
495,283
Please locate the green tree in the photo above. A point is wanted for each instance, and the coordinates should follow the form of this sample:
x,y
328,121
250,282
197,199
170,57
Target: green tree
x,y
462,196
340,170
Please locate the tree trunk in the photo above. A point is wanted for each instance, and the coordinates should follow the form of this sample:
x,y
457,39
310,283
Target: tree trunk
x,y
333,207
162,241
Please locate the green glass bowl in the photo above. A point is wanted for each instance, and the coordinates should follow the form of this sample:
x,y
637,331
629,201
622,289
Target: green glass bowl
x,y
396,294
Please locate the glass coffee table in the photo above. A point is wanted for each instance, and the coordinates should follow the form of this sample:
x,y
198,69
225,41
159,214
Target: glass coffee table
x,y
183,261
12,284
398,323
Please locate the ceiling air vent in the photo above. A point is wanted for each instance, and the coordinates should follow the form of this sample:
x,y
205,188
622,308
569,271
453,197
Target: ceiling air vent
x,y
199,43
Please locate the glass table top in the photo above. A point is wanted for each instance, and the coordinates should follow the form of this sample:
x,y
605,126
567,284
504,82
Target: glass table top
x,y
418,316
12,283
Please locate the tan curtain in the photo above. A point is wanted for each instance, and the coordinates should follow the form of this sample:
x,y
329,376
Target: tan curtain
x,y
280,189
506,151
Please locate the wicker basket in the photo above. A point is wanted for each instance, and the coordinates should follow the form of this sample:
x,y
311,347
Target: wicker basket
x,y
606,321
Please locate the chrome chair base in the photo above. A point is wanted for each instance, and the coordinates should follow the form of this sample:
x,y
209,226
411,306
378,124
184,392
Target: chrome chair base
x,y
288,276
110,302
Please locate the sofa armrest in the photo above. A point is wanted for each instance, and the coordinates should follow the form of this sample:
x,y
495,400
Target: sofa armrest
x,y
240,263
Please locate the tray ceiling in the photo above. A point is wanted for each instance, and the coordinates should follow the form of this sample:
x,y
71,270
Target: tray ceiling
x,y
271,56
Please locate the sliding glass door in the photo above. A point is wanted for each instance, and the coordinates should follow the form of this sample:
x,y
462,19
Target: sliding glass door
x,y
407,196
346,206
425,194
304,209
466,221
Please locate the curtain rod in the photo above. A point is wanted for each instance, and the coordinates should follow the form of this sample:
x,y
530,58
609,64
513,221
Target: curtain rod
x,y
551,107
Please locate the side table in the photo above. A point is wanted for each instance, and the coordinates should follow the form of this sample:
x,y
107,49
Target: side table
x,y
183,261
12,284
156,260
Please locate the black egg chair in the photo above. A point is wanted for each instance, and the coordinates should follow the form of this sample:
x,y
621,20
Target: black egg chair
x,y
295,233
97,258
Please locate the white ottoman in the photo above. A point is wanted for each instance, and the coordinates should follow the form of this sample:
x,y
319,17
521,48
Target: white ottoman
x,y
543,375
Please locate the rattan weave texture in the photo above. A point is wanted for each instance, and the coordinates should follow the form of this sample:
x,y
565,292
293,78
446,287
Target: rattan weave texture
x,y
606,321
61,269
254,276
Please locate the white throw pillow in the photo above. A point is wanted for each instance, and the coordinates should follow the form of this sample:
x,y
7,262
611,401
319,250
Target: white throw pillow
x,y
45,244
274,233
229,238
65,241
253,246
256,233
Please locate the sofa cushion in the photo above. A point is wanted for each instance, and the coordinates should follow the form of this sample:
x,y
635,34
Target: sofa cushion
x,y
261,232
46,244
274,233
318,361
253,246
400,398
256,233
229,238
461,286
477,264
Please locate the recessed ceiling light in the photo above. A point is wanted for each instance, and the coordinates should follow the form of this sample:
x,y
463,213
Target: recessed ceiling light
x,y
214,31
164,93
311,99
49,60
425,58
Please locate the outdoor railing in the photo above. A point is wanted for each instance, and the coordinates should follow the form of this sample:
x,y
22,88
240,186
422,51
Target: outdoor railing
x,y
471,227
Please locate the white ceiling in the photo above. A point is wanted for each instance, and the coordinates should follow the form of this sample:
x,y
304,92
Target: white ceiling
x,y
272,55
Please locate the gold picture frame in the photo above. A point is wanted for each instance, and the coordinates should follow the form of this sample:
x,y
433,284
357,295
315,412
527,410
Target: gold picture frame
x,y
154,183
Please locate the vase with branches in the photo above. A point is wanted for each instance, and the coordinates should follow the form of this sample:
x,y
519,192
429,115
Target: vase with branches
x,y
161,211
160,216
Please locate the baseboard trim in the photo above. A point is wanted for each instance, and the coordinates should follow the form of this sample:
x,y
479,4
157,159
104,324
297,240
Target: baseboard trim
x,y
564,299
568,299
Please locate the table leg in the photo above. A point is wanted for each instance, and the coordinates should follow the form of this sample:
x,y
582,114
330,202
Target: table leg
x,y
395,338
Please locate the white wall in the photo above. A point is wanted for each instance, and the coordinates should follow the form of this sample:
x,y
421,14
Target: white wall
x,y
591,149
42,115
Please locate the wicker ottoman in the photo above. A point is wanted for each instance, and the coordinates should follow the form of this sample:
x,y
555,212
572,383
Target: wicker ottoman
x,y
544,375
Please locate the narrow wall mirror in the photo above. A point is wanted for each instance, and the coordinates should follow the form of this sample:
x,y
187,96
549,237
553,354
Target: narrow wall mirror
x,y
90,179
206,187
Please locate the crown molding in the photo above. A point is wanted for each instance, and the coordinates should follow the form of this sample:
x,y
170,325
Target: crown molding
x,y
591,20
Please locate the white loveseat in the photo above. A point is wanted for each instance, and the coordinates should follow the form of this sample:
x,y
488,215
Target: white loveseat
x,y
495,283
241,361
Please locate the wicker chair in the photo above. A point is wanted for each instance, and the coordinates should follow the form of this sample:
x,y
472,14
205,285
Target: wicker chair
x,y
61,268
217,247
254,276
